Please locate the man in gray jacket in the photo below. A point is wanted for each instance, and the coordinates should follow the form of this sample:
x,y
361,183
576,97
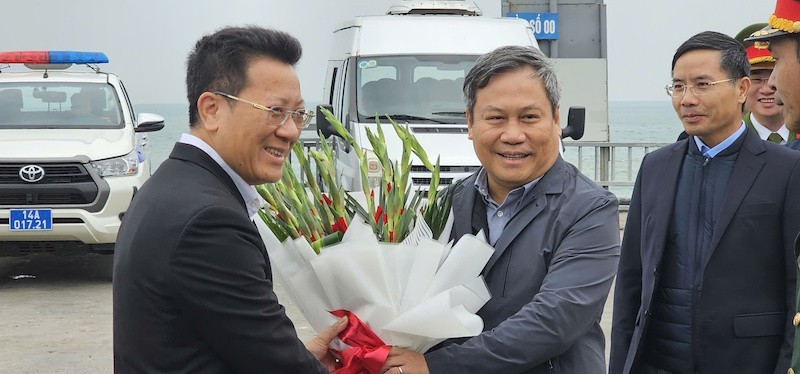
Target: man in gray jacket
x,y
555,232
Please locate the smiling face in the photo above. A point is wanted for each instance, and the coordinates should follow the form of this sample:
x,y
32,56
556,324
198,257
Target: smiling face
x,y
239,132
514,130
716,114
761,100
785,78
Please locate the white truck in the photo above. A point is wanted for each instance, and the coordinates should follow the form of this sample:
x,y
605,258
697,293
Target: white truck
x,y
72,152
410,64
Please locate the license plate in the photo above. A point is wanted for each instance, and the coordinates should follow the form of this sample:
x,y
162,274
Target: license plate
x,y
30,220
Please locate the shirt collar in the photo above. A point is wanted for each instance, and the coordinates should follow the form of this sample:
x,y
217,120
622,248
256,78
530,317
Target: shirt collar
x,y
248,192
711,152
482,185
764,132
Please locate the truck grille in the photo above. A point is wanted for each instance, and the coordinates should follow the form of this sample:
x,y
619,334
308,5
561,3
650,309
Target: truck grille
x,y
439,130
427,181
20,199
447,169
53,174
62,184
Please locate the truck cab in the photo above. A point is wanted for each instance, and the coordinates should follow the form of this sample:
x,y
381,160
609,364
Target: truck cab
x,y
72,152
410,65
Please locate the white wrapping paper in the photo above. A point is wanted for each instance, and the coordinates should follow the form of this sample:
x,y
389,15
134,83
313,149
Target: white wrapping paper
x,y
414,294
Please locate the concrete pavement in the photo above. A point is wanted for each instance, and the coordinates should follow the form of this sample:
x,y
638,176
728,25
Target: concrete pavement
x,y
56,314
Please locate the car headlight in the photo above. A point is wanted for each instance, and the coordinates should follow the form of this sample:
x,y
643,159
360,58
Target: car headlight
x,y
118,166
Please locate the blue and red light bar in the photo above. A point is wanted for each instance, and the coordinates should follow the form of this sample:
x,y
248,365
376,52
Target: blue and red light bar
x,y
53,57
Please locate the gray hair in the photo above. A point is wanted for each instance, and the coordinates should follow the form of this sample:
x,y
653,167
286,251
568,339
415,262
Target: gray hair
x,y
509,58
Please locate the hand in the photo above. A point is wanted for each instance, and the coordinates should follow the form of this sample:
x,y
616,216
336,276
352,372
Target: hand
x,y
403,361
319,345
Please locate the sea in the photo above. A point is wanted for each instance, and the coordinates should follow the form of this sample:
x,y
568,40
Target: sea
x,y
629,122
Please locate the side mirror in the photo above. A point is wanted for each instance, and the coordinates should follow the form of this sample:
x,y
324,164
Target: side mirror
x,y
323,125
146,122
576,123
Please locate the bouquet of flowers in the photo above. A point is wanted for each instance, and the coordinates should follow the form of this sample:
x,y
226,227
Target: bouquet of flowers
x,y
380,256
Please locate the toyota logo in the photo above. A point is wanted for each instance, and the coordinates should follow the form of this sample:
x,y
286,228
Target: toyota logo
x,y
31,173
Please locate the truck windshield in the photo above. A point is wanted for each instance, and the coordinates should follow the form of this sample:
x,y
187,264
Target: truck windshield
x,y
59,105
424,89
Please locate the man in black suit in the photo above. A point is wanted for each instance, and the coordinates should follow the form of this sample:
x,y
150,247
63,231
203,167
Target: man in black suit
x,y
707,274
193,288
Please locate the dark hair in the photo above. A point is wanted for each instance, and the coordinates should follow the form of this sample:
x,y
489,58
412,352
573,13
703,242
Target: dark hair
x,y
733,61
796,38
509,58
219,61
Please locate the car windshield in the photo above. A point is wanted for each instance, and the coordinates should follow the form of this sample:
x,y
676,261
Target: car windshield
x,y
424,89
59,105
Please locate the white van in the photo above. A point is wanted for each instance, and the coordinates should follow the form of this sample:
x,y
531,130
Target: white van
x,y
72,154
410,64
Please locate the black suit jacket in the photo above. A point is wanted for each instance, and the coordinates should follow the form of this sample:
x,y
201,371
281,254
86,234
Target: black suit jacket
x,y
742,312
192,281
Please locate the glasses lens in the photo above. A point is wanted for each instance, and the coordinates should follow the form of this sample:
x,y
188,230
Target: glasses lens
x,y
302,118
702,88
676,89
277,115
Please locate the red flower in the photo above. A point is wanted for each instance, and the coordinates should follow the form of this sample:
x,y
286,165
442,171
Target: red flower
x,y
378,213
340,225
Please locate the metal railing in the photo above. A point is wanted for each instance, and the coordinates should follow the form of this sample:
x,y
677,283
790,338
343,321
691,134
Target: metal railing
x,y
612,165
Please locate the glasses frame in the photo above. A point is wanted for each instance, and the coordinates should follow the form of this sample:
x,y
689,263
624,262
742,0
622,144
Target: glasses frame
x,y
691,87
307,115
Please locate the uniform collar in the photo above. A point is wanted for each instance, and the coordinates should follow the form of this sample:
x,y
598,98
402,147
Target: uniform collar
x,y
764,132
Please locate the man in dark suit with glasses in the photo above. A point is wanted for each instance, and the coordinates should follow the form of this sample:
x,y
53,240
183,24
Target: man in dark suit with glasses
x,y
193,289
706,278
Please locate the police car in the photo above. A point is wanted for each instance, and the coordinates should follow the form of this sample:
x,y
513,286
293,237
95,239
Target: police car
x,y
72,152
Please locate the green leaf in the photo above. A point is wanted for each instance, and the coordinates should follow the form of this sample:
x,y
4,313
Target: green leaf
x,y
273,225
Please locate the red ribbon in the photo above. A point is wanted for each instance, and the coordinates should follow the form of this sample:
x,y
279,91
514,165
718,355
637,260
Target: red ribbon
x,y
368,352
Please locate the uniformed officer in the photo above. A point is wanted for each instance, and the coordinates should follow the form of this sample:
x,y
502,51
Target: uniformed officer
x,y
762,115
783,39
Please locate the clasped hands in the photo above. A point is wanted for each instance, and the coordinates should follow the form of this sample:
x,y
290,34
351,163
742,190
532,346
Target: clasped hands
x,y
400,361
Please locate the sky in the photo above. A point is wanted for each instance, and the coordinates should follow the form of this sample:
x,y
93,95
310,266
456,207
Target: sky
x,y
147,41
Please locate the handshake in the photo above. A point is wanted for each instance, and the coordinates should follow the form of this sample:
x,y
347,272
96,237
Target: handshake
x,y
395,359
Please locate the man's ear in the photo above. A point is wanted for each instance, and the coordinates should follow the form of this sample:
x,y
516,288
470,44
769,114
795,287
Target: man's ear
x,y
210,109
557,116
743,86
469,125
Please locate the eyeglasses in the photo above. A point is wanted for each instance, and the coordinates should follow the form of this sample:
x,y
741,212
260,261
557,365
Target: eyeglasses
x,y
278,115
699,89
